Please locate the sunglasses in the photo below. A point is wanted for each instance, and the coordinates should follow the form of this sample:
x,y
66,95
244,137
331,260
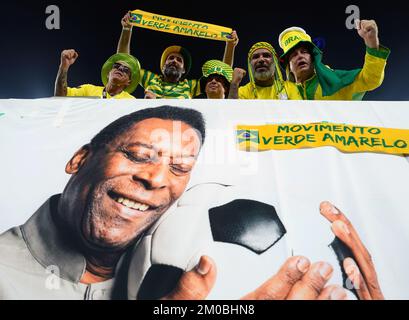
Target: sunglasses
x,y
122,68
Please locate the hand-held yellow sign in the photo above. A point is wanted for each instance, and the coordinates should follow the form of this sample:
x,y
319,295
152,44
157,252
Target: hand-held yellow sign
x,y
344,137
183,27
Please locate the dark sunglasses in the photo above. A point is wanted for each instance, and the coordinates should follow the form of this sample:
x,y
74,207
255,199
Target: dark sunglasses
x,y
122,68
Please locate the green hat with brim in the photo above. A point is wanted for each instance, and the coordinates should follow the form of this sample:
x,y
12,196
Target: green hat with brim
x,y
187,58
130,61
291,38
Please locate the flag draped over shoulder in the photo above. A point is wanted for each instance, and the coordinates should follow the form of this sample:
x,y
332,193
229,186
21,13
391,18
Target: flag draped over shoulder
x,y
179,26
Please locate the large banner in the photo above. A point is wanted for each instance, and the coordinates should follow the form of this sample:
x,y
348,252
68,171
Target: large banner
x,y
248,210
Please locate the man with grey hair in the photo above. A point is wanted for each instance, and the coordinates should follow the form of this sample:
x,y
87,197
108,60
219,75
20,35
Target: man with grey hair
x,y
266,80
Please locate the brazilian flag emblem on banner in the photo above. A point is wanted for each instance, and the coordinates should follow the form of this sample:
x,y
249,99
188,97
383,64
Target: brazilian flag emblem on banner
x,y
226,35
248,136
136,18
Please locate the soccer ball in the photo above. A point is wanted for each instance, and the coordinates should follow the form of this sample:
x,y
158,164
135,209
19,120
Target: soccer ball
x,y
242,233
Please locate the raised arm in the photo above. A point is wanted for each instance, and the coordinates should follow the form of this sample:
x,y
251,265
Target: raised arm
x,y
238,75
68,57
228,56
124,44
372,73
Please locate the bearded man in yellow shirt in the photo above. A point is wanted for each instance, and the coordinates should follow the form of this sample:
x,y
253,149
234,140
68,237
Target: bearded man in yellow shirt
x,y
120,75
316,81
266,80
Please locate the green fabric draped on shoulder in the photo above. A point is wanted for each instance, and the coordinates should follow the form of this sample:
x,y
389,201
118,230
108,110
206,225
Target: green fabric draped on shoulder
x,y
332,81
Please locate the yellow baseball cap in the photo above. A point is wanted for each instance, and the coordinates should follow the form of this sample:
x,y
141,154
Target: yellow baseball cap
x,y
292,37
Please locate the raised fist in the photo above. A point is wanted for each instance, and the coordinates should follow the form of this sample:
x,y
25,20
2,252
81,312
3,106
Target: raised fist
x,y
68,58
368,30
238,75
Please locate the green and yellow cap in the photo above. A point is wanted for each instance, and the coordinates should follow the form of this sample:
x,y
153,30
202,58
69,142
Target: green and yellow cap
x,y
128,60
215,67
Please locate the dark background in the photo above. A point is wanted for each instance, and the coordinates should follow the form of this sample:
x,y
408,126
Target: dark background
x,y
30,53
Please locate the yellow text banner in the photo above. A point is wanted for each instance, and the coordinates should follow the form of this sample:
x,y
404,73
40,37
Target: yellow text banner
x,y
179,26
344,137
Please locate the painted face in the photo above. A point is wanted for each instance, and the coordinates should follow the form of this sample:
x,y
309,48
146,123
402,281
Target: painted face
x,y
215,85
174,66
120,74
300,62
118,192
262,63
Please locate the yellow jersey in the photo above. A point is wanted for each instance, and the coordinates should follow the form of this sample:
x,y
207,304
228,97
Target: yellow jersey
x,y
89,90
184,89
